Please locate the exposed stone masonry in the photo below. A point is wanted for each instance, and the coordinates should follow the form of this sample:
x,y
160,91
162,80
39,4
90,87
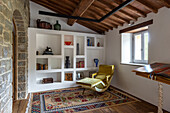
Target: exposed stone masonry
x,y
17,12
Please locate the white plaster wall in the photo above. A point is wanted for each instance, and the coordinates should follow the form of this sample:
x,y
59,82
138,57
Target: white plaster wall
x,y
159,51
34,10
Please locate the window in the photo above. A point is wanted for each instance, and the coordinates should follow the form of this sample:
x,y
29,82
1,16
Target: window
x,y
134,47
140,47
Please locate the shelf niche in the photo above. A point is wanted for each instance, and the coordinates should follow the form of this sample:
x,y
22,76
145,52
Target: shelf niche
x,y
68,52
80,45
90,41
56,77
67,39
80,63
50,40
91,55
99,42
68,76
42,64
55,63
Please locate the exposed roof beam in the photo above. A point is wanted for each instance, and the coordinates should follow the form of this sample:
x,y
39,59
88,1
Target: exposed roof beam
x,y
80,10
121,18
98,27
132,9
104,23
48,5
90,27
100,12
111,5
166,3
148,6
107,21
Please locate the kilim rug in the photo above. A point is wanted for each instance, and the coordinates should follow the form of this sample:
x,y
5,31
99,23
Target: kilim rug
x,y
72,100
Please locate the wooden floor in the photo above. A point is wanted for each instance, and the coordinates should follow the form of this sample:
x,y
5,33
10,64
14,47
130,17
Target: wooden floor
x,y
135,107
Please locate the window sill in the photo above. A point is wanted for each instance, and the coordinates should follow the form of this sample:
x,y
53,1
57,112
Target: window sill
x,y
133,64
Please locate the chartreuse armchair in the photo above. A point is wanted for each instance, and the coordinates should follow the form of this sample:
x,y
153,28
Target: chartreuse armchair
x,y
100,81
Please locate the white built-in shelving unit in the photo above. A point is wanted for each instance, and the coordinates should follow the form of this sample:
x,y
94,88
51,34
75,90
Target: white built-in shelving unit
x,y
39,39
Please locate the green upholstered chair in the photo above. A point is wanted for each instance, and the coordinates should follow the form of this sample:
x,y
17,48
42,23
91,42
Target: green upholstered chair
x,y
100,81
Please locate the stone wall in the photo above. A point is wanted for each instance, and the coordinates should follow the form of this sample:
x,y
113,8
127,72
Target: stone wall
x,y
17,12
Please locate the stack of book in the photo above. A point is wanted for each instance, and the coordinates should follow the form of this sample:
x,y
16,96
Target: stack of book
x,y
80,64
42,66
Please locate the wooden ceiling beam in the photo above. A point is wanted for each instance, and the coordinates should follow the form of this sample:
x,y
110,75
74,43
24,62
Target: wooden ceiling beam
x,y
62,5
147,6
132,8
101,13
47,5
128,15
80,10
121,18
136,10
104,23
101,24
94,25
166,3
98,15
90,27
105,7
111,5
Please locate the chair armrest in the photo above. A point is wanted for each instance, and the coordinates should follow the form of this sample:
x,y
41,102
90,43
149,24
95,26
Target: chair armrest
x,y
107,78
101,82
93,75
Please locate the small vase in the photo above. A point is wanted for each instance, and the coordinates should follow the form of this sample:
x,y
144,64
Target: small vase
x,y
88,42
77,48
67,62
96,61
57,26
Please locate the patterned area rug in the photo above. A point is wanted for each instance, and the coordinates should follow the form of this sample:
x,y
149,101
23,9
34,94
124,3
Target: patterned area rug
x,y
72,100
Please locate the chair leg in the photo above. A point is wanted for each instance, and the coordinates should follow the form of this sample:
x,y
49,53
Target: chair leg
x,y
109,88
96,93
83,91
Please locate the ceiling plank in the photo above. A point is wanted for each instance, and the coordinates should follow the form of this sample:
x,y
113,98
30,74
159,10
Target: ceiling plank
x,y
148,6
49,6
121,18
63,5
107,21
90,27
80,10
101,13
132,8
111,5
166,3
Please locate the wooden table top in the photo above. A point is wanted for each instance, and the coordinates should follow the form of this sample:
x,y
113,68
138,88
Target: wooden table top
x,y
156,71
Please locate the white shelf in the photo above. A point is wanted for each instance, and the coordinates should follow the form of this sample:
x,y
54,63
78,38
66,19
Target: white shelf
x,y
80,56
49,71
81,69
68,69
78,51
68,81
71,46
49,83
91,47
99,48
48,56
92,68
